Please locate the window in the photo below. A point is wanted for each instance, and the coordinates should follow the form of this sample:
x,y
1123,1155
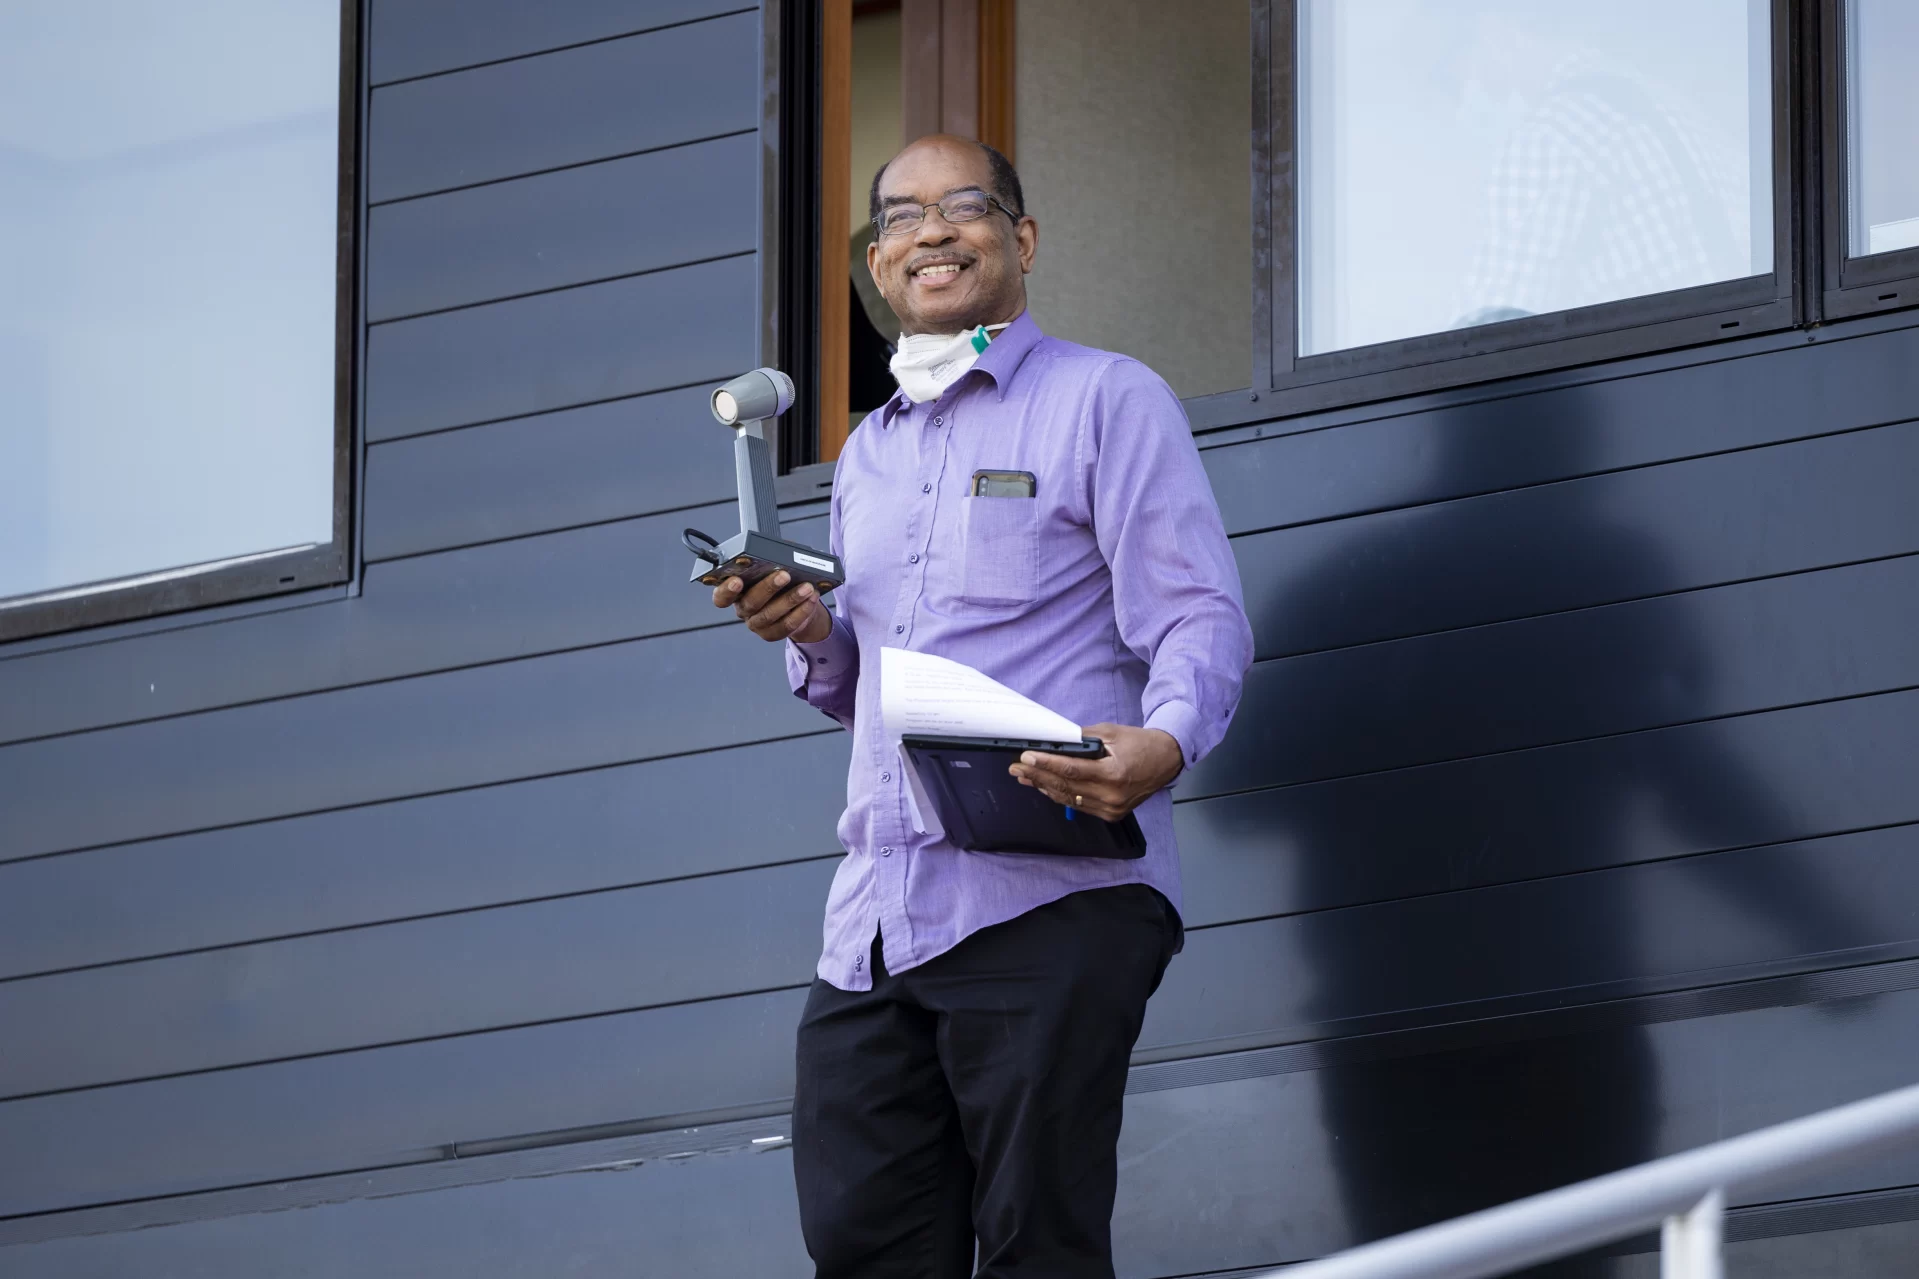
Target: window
x,y
172,427
1486,176
1491,159
1872,176
1882,121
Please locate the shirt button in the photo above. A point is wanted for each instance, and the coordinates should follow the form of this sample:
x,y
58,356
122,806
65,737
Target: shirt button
x,y
886,777
939,421
859,962
899,630
926,488
887,851
912,559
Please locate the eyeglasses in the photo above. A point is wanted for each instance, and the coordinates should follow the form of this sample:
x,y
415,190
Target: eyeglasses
x,y
961,206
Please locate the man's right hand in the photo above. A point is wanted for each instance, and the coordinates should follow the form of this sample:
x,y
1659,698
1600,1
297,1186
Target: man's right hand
x,y
775,610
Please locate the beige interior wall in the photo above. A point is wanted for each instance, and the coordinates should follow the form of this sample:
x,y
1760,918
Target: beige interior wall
x,y
876,102
1133,120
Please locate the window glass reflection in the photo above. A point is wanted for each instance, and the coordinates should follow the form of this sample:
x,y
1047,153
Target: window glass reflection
x,y
1469,161
168,179
1883,123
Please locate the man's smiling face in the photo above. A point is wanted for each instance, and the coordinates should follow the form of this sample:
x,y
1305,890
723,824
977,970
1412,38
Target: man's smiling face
x,y
940,277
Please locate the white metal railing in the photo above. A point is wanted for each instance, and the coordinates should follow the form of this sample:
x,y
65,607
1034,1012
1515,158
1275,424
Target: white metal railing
x,y
1685,1194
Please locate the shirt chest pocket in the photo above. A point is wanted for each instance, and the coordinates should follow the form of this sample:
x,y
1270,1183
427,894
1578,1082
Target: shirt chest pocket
x,y
1000,560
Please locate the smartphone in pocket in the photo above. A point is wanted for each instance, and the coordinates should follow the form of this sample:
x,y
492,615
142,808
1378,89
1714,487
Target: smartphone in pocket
x,y
1002,484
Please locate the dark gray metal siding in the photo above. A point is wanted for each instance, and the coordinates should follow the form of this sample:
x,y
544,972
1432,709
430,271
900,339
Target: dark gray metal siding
x,y
1569,818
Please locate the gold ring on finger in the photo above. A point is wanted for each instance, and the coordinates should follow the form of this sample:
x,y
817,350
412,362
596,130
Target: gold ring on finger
x,y
1078,800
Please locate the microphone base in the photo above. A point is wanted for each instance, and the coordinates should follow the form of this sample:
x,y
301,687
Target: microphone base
x,y
752,556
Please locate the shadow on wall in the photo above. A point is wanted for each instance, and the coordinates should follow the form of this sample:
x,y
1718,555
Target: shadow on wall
x,y
1421,1139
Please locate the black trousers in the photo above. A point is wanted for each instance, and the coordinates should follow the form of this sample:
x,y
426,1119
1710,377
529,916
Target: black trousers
x,y
978,1097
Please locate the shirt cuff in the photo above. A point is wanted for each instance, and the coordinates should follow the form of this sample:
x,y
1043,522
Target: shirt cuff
x,y
1182,722
827,658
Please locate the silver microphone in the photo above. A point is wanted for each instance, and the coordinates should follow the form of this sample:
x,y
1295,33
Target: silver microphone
x,y
758,549
753,397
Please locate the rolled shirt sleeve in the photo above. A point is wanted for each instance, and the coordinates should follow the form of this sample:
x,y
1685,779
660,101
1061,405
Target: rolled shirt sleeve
x,y
1176,589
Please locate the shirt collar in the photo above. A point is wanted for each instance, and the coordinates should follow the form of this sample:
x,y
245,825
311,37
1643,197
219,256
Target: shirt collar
x,y
999,361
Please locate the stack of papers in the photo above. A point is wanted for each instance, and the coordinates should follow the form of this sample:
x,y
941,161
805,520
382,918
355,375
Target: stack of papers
x,y
924,695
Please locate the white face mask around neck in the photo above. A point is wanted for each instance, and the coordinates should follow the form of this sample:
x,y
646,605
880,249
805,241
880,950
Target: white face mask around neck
x,y
927,363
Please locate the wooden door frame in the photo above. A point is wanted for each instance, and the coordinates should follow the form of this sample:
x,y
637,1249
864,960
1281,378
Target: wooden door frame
x,y
956,65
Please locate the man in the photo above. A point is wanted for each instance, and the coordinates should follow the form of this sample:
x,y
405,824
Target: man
x,y
962,1057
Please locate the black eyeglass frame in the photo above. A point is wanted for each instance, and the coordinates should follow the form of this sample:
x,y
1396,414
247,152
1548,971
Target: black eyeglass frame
x,y
991,201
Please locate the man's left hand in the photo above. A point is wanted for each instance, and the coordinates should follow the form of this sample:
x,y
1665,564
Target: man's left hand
x,y
1139,762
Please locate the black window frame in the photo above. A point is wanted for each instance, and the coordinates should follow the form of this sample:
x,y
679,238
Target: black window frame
x,y
791,54
243,577
1853,285
1535,344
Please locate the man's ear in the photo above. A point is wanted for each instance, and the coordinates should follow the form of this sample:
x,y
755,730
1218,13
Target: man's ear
x,y
1027,237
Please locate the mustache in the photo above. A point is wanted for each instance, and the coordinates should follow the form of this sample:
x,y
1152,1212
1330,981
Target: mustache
x,y
941,258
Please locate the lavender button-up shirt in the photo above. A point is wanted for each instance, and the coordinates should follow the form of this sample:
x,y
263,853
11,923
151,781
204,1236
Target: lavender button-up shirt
x,y
1111,595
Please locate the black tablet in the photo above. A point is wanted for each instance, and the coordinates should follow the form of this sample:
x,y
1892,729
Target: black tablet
x,y
985,809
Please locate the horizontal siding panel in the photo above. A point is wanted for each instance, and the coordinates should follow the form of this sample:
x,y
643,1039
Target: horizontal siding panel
x,y
578,956
681,1217
615,704
599,342
1688,922
619,217
576,833
1381,457
387,1106
571,107
677,1217
1698,788
553,470
1544,549
1841,632
422,37
483,604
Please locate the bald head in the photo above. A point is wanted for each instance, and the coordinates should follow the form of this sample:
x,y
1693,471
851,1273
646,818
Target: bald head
x,y
941,276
